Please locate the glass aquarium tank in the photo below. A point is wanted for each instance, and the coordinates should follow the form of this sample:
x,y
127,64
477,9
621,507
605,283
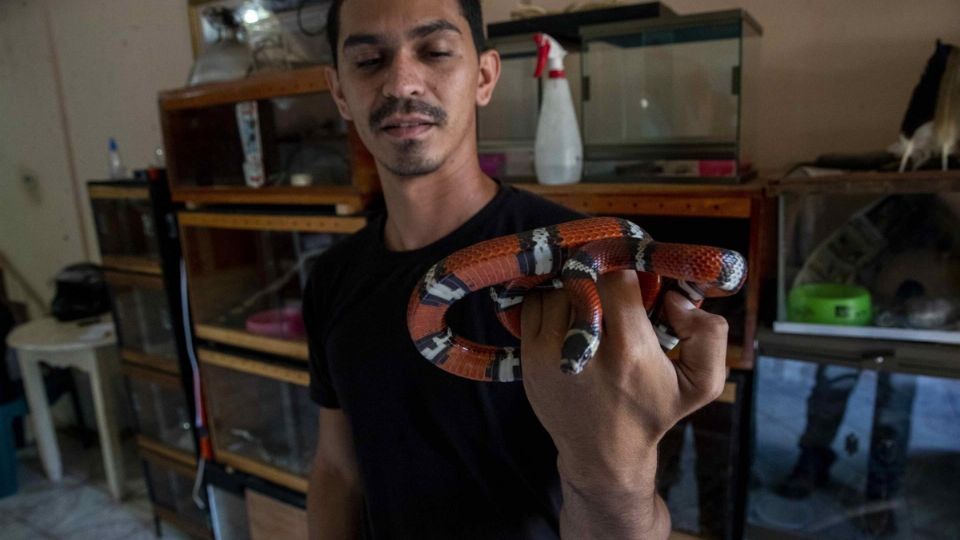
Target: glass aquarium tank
x,y
171,490
123,217
246,273
262,419
143,319
852,441
295,140
160,408
860,257
670,98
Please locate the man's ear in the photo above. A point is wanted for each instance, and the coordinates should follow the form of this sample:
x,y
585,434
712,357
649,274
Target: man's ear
x,y
488,76
333,82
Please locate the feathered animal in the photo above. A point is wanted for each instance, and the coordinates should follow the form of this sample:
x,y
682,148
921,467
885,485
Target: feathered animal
x,y
916,129
946,119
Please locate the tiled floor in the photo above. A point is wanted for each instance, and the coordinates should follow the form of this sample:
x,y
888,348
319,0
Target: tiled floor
x,y
79,507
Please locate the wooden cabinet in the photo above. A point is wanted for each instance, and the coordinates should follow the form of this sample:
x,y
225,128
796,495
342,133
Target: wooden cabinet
x,y
134,221
298,134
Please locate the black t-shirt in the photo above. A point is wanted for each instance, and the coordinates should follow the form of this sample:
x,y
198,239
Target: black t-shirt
x,y
439,456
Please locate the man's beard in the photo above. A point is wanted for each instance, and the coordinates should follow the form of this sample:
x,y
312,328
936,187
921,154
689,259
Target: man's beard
x,y
409,159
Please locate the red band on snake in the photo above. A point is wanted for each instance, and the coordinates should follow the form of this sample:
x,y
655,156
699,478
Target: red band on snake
x,y
574,254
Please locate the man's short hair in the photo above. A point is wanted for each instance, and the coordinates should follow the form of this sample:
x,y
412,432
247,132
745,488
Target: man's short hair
x,y
470,9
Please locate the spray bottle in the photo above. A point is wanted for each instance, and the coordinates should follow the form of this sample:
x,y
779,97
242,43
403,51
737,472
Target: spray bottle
x,y
558,151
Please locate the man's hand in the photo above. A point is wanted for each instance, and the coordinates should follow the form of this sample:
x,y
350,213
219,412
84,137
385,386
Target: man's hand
x,y
607,421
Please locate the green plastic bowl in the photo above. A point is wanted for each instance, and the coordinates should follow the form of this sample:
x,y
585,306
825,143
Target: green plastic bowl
x,y
830,303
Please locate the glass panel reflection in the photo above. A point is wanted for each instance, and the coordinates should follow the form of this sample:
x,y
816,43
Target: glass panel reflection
x,y
848,453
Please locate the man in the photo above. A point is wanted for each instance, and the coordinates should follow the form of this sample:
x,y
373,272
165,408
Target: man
x,y
406,450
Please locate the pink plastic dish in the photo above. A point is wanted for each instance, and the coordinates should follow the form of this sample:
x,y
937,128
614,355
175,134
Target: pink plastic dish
x,y
284,323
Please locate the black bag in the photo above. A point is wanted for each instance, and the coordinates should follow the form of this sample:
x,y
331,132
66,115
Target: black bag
x,y
81,293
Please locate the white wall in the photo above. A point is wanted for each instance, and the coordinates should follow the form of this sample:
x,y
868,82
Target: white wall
x,y
836,77
72,74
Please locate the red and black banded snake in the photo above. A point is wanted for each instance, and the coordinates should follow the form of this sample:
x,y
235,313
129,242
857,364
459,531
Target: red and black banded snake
x,y
572,255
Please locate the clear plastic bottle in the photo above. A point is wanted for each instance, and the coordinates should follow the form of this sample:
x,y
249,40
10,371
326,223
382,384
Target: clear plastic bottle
x,y
117,170
558,149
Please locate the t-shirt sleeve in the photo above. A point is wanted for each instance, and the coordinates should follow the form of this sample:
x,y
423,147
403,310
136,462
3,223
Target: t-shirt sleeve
x,y
321,385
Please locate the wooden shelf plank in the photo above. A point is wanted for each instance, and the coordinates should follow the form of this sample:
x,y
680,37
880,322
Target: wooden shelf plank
x,y
127,279
158,452
132,264
346,199
869,182
654,199
165,364
277,476
255,367
116,192
266,222
255,87
238,338
165,378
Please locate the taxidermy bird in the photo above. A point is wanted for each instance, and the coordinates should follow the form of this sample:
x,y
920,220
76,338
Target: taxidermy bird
x,y
916,130
946,119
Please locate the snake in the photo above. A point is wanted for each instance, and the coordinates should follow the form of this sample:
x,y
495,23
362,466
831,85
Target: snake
x,y
571,256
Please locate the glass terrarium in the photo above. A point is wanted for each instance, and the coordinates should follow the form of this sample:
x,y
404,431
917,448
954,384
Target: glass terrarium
x,y
262,419
123,216
160,407
854,449
143,320
294,140
671,97
246,275
171,490
863,257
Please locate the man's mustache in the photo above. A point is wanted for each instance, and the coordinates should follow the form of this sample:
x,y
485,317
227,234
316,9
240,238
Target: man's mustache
x,y
406,106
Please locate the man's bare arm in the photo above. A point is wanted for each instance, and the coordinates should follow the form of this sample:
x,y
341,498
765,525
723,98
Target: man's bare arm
x,y
334,497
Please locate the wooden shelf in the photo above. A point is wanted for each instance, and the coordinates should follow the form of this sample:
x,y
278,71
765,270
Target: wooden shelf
x,y
869,182
166,364
267,222
238,338
127,279
655,199
143,265
158,452
255,87
345,199
277,476
255,367
165,378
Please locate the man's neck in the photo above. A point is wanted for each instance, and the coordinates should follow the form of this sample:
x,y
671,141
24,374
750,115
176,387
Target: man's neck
x,y
424,209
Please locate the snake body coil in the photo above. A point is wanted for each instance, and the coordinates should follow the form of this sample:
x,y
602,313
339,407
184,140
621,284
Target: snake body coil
x,y
574,254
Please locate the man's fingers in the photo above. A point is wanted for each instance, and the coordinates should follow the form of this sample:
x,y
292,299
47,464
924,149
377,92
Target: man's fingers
x,y
556,315
702,365
530,315
623,313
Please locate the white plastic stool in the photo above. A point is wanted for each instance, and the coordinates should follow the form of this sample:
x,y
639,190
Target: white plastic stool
x,y
90,348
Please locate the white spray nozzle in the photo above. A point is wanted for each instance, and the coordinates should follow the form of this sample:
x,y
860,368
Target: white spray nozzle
x,y
548,49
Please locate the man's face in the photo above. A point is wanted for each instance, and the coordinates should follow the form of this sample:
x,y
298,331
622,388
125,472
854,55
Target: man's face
x,y
410,79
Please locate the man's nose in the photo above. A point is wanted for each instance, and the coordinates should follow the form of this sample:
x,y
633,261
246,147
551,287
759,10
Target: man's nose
x,y
404,79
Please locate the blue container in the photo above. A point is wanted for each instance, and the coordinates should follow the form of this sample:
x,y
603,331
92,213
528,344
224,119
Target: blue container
x,y
8,449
